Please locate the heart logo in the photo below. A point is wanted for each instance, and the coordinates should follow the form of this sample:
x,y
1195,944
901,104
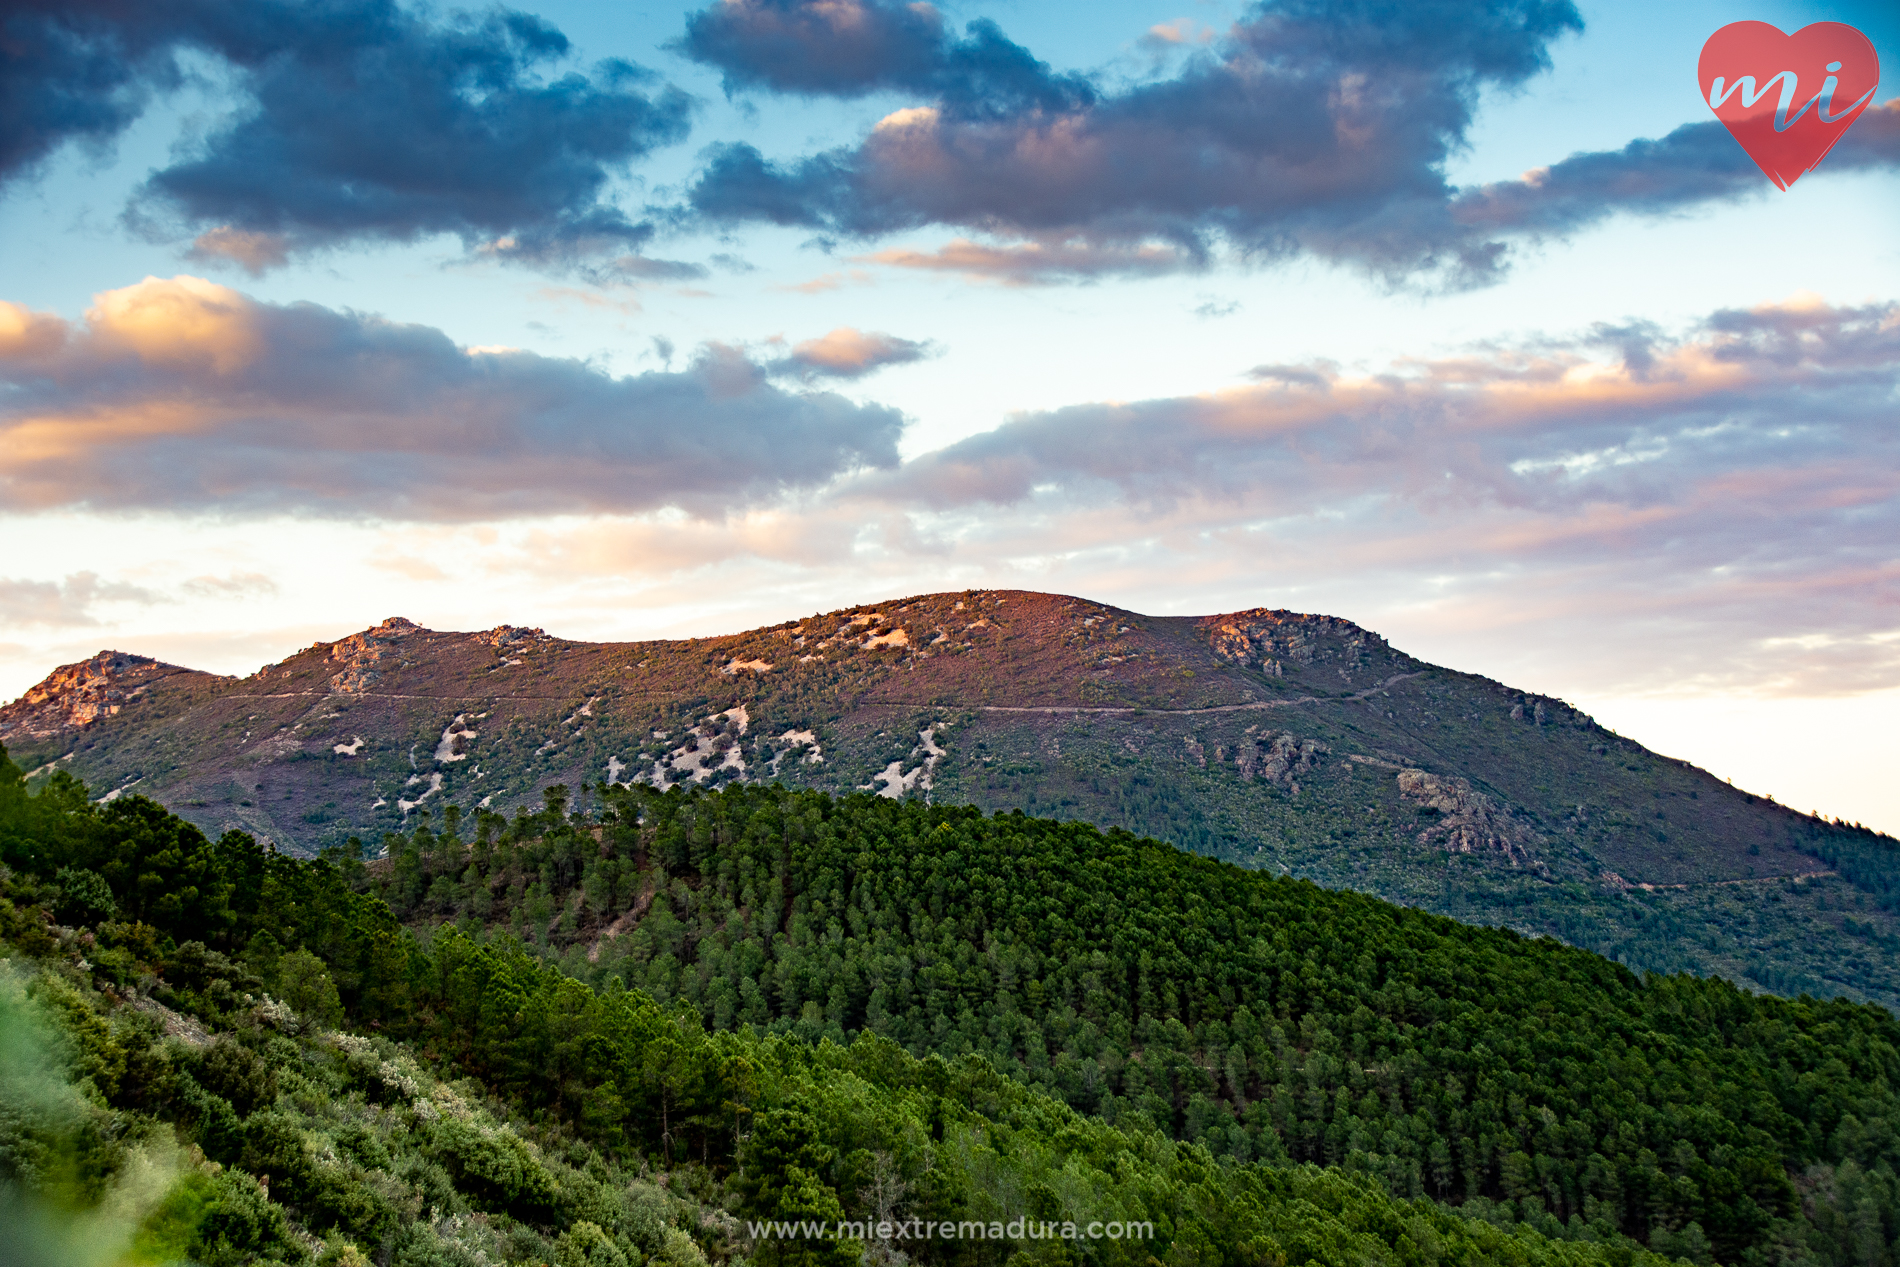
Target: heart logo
x,y
1788,98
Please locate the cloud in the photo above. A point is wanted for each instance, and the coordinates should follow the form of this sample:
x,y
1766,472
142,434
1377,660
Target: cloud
x,y
234,585
592,247
1696,164
255,253
831,281
1313,126
1041,263
1727,498
1772,392
68,603
359,120
848,353
69,73
587,299
1169,36
842,47
181,394
848,48
408,565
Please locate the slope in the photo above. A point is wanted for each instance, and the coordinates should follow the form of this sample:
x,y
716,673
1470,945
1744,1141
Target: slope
x,y
1534,1084
504,1114
1298,744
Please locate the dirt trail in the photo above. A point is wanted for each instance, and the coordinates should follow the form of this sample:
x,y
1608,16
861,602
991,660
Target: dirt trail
x,y
1166,712
1753,879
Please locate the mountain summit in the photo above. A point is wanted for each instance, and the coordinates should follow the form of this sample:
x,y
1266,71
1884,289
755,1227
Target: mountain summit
x,y
1297,743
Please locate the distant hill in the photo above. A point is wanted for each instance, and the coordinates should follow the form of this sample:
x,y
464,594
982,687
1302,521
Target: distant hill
x,y
1294,743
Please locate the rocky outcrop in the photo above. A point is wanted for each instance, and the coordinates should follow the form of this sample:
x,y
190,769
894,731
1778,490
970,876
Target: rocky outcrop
x,y
1543,710
76,695
507,635
1279,756
1460,818
363,658
1277,642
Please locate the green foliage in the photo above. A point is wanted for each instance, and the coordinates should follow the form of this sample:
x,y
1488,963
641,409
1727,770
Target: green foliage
x,y
1261,1018
303,983
499,1171
784,1161
84,897
925,987
586,1245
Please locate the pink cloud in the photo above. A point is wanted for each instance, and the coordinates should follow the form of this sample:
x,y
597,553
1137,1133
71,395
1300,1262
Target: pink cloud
x,y
181,394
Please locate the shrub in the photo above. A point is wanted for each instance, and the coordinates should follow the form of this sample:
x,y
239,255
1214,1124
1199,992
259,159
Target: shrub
x,y
498,1171
304,984
84,897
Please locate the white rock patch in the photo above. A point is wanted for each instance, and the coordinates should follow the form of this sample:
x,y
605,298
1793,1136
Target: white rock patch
x,y
34,774
350,749
435,785
696,758
896,782
792,741
445,750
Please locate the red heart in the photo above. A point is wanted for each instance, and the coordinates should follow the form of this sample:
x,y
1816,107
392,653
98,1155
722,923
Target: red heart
x,y
1788,98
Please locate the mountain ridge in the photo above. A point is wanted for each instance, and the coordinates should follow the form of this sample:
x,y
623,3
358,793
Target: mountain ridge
x,y
1298,743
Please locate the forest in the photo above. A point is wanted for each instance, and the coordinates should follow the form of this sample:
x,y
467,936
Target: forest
x,y
618,1031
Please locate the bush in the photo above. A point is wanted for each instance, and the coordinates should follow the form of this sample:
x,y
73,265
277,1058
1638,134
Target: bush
x,y
238,1222
84,897
497,1170
230,1069
304,984
586,1245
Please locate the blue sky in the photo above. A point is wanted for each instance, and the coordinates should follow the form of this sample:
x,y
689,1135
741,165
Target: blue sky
x,y
632,321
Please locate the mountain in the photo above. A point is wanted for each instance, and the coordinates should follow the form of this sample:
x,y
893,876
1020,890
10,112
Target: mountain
x,y
1299,744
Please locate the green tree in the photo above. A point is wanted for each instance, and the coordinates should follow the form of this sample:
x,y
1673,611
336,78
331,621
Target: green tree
x,y
785,1160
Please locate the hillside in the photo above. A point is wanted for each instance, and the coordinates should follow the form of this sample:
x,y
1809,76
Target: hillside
x,y
1297,744
1474,1096
307,1083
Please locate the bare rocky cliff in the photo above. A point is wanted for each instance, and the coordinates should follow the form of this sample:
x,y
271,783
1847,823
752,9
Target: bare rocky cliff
x,y
74,696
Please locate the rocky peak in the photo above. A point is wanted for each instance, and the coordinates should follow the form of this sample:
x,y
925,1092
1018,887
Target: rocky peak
x,y
76,695
363,658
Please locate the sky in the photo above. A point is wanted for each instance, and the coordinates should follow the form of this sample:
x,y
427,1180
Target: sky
x,y
1468,322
